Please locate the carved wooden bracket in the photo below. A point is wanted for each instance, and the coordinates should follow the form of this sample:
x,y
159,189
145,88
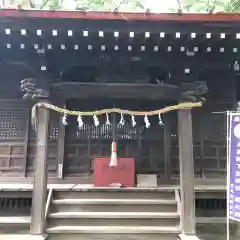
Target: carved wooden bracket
x,y
193,91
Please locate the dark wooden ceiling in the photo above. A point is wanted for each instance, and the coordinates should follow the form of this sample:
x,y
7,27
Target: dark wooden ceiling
x,y
54,46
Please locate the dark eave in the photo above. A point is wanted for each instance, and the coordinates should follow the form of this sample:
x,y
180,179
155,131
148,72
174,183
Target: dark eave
x,y
116,91
55,41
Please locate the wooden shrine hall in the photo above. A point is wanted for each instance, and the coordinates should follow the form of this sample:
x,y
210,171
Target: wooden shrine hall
x,y
77,87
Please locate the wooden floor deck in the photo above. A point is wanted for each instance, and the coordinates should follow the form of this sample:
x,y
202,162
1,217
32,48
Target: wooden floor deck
x,y
66,186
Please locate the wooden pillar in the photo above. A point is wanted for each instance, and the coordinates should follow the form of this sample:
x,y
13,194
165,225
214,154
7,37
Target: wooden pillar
x,y
167,149
37,226
188,221
61,146
26,142
61,149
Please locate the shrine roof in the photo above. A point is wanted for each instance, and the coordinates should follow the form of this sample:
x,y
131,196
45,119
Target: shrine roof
x,y
185,17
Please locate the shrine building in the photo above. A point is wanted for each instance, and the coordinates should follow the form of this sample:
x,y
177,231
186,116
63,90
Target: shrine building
x,y
115,124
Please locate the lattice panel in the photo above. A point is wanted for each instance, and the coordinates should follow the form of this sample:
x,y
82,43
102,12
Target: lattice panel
x,y
12,157
214,146
53,130
13,123
53,133
103,132
209,144
52,156
15,206
215,130
145,145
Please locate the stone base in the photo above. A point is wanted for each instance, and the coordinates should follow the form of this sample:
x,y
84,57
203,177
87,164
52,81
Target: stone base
x,y
147,180
187,237
22,237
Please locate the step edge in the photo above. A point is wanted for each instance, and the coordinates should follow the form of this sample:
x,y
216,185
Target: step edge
x,y
115,229
209,220
113,201
117,189
15,220
113,215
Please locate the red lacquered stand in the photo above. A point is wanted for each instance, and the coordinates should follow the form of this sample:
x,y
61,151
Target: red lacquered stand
x,y
123,173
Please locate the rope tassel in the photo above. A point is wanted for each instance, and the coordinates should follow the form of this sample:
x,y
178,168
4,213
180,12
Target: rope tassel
x,y
113,161
64,120
96,121
160,120
147,123
80,122
122,121
133,121
107,120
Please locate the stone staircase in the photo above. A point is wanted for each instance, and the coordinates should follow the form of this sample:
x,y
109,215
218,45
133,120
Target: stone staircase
x,y
15,214
112,213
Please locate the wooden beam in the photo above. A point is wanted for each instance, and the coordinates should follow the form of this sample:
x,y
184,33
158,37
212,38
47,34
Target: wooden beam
x,y
75,20
117,90
188,222
38,219
167,149
64,60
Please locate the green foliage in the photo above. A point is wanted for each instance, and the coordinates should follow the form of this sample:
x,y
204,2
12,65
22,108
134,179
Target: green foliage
x,y
211,5
88,5
123,5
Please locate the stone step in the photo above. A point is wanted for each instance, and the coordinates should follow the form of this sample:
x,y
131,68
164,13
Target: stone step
x,y
113,229
115,194
15,220
169,222
113,205
114,211
21,237
113,208
114,201
16,224
117,215
110,236
61,219
211,220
